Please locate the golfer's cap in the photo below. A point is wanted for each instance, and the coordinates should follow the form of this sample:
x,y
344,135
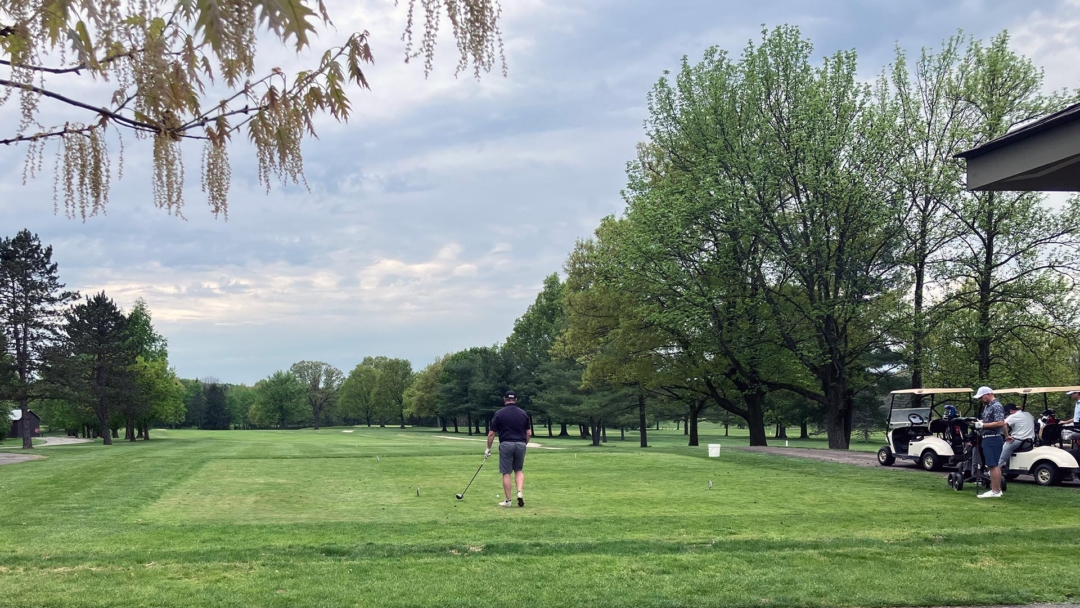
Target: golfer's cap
x,y
1072,392
983,390
509,395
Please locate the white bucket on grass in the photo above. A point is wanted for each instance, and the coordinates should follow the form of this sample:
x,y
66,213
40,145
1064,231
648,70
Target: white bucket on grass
x,y
714,450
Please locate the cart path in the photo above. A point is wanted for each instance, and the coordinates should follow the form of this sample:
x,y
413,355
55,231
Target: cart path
x,y
531,444
46,441
862,459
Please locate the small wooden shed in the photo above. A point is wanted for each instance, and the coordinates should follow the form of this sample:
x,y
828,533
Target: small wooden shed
x,y
17,427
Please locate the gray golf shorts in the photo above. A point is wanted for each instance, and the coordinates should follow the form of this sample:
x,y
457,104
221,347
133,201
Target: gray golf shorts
x,y
511,456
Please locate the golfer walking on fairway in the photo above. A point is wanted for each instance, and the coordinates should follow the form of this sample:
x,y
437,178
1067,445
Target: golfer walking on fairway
x,y
514,429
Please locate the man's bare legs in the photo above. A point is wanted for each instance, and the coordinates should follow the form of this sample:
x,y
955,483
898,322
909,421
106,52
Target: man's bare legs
x,y
506,484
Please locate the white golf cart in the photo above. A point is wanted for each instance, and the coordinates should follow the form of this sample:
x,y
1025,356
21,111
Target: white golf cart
x,y
918,430
1041,458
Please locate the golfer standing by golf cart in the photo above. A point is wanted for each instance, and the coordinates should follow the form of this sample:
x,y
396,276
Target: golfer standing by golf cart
x,y
514,429
991,426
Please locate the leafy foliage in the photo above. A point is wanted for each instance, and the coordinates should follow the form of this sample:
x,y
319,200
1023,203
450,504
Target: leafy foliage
x,y
167,59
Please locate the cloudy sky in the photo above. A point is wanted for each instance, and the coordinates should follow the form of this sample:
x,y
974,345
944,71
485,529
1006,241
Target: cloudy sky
x,y
434,215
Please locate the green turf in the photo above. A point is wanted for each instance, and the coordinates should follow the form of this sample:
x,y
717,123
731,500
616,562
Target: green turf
x,y
305,518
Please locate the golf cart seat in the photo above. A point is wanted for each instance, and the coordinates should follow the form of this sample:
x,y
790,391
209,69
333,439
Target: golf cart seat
x,y
938,426
1026,445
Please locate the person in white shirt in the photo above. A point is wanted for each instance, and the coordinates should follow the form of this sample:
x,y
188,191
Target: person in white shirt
x,y
1021,426
1068,434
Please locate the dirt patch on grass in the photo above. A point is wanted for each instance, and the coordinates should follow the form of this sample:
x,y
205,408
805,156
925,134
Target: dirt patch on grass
x,y
16,458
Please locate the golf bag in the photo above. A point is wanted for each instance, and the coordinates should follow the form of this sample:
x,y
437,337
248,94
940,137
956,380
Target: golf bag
x,y
972,469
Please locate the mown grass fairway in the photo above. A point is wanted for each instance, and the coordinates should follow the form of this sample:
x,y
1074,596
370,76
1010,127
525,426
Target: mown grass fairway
x,y
304,518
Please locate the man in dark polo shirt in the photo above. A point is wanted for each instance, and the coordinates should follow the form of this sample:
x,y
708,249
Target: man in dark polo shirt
x,y
514,429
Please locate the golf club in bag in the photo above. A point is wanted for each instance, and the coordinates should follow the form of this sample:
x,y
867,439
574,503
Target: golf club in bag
x,y
973,469
462,495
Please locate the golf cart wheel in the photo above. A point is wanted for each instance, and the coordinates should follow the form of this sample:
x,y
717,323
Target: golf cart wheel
x,y
956,481
885,457
1046,474
930,460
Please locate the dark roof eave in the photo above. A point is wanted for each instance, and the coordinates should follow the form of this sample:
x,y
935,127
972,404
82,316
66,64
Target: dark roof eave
x,y
1067,115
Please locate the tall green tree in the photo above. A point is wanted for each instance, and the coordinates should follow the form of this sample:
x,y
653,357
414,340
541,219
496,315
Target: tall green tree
x,y
388,394
356,398
217,409
322,382
32,302
240,398
935,124
95,363
420,400
161,394
194,403
1014,265
279,400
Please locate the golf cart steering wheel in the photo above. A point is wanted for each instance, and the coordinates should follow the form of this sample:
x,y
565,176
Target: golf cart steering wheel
x,y
916,419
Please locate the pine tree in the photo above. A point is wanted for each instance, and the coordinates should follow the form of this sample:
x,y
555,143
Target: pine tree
x,y
32,300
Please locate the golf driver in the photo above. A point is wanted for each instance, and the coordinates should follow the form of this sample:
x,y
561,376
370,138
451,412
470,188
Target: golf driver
x,y
462,495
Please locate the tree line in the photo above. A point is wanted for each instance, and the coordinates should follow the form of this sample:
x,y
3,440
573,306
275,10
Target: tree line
x,y
796,242
84,362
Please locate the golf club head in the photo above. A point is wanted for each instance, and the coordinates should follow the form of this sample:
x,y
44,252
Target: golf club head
x,y
459,496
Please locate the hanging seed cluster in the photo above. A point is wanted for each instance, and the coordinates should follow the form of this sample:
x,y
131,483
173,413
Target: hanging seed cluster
x,y
161,56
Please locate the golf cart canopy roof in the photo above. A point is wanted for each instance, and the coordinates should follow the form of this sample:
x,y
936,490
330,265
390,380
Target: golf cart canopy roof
x,y
931,391
1037,390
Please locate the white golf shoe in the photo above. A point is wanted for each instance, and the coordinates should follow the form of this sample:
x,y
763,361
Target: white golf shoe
x,y
506,503
990,494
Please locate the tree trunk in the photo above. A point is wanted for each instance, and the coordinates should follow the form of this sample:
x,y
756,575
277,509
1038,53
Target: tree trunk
x,y
677,423
369,422
468,422
685,426
129,431
642,421
115,434
603,430
106,438
402,419
477,426
622,433
455,424
804,432
316,413
781,430
27,440
692,422
595,431
658,424
835,426
755,416
726,429
585,430
442,422
562,430
146,432
549,426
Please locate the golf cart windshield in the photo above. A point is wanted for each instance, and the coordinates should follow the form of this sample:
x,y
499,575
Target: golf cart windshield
x,y
926,403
